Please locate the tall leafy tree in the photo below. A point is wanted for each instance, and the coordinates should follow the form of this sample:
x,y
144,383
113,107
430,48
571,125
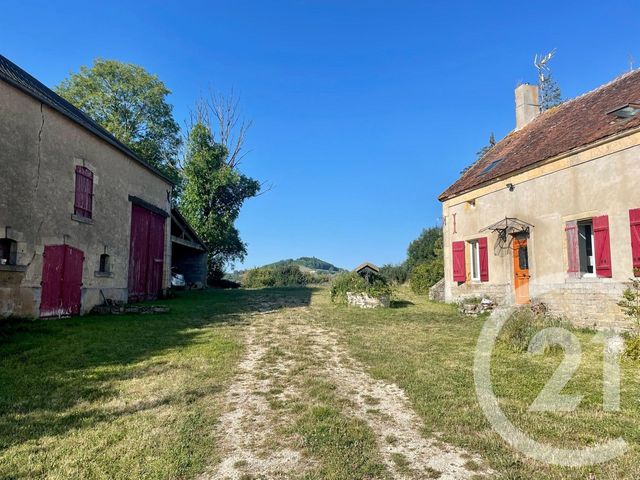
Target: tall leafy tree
x,y
132,104
426,248
214,192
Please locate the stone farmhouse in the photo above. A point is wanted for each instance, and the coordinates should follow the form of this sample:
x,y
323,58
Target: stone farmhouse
x,y
552,212
82,218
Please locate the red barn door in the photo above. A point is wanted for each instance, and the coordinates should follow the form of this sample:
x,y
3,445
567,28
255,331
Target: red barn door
x,y
61,281
146,254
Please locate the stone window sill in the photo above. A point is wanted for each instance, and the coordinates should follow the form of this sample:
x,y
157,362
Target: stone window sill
x,y
13,268
103,274
81,219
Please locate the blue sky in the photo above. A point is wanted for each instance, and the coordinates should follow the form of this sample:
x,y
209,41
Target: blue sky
x,y
363,111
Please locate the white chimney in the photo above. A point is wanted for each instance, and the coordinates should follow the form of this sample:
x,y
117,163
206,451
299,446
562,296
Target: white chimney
x,y
527,106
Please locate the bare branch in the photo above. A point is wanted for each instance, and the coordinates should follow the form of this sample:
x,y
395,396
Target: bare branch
x,y
221,114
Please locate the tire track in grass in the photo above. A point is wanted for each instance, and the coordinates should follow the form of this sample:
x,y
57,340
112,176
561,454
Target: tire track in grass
x,y
302,407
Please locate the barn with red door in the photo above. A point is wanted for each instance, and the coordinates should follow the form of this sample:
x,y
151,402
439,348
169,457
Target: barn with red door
x,y
551,213
82,218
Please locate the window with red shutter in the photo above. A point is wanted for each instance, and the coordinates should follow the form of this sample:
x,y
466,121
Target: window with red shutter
x,y
573,255
83,206
602,246
459,263
634,222
484,259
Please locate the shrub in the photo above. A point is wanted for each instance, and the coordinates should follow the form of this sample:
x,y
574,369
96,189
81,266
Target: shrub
x,y
279,276
395,274
377,286
224,283
425,275
630,305
523,324
632,347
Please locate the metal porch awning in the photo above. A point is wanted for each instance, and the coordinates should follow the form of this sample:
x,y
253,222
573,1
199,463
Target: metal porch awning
x,y
508,225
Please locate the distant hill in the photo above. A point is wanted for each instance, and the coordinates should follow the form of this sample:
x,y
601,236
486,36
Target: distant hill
x,y
308,263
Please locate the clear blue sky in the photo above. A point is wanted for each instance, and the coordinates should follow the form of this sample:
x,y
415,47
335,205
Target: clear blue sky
x,y
363,111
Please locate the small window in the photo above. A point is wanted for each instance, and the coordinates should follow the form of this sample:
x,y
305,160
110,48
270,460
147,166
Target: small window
x,y
8,251
83,206
586,248
475,260
104,264
523,258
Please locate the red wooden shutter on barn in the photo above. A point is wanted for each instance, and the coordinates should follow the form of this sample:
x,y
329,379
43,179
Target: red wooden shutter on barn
x,y
634,221
573,256
484,259
459,264
84,192
602,246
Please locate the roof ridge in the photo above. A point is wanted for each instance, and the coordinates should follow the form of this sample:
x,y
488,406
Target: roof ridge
x,y
567,103
577,122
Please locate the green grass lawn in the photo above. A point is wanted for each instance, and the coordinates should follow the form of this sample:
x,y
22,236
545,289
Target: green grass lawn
x,y
119,396
428,349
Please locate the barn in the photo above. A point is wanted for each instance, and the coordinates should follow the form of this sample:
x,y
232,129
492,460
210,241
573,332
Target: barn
x,y
82,218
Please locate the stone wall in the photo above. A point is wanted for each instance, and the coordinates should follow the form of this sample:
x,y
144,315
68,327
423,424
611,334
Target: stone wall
x,y
496,292
586,302
436,292
363,300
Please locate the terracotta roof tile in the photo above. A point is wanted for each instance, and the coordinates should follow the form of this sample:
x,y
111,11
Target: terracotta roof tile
x,y
573,124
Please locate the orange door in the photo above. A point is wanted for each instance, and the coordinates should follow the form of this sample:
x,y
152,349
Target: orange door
x,y
521,270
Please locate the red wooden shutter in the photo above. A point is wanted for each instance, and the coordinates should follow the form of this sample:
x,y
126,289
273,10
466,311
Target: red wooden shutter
x,y
573,256
484,259
602,246
459,264
634,221
84,192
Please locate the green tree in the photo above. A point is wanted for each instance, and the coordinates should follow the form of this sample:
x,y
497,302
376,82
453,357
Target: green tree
x,y
548,89
132,105
427,247
395,274
425,275
214,192
550,94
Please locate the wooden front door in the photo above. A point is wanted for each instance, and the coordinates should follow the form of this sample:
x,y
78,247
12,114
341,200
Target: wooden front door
x,y
521,270
61,281
146,254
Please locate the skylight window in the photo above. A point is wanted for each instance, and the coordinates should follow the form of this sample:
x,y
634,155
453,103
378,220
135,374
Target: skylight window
x,y
490,167
626,111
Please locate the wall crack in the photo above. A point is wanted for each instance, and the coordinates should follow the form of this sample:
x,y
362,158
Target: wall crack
x,y
39,147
